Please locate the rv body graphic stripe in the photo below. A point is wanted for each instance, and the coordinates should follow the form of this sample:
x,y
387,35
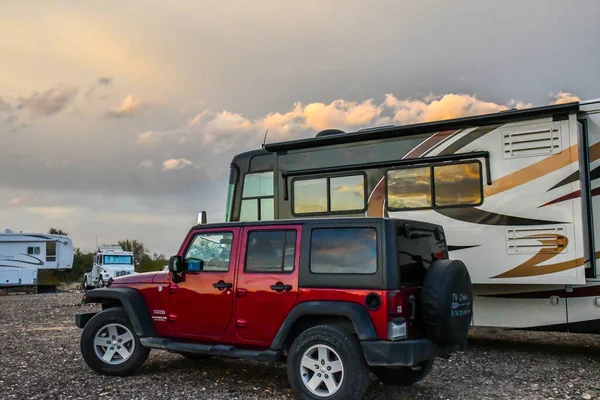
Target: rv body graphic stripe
x,y
539,169
38,261
428,144
583,291
570,196
574,177
477,216
457,248
468,138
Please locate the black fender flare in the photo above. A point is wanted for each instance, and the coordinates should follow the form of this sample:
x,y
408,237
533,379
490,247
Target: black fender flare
x,y
357,313
133,303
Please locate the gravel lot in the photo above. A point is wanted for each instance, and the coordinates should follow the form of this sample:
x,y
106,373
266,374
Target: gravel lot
x,y
40,359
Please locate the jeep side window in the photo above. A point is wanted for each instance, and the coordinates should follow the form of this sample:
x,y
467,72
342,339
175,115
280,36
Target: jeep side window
x,y
209,252
343,251
271,251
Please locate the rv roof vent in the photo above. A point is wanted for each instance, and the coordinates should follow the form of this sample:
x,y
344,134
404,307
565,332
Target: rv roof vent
x,y
531,140
327,132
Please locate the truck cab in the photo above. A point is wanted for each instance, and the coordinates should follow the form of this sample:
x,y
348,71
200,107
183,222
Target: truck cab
x,y
110,262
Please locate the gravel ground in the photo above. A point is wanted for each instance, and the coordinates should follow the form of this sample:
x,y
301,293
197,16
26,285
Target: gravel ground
x,y
40,359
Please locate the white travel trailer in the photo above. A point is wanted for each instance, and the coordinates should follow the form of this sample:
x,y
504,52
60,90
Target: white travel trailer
x,y
109,262
23,254
517,192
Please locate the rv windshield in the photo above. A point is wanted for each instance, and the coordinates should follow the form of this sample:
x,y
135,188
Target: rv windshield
x,y
118,260
233,177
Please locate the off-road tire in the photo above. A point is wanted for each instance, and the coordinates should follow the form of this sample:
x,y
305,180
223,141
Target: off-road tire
x,y
356,371
103,318
403,376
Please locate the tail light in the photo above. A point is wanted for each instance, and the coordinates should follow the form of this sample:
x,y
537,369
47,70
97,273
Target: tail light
x,y
396,322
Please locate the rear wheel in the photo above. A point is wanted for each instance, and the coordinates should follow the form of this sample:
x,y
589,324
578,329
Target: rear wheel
x,y
327,362
110,346
403,376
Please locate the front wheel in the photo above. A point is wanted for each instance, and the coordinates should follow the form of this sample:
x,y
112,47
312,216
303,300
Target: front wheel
x,y
403,376
326,362
110,346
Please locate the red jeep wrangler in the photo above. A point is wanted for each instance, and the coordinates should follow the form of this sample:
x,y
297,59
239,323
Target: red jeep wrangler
x,y
334,298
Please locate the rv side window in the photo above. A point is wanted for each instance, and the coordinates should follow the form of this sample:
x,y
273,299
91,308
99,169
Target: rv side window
x,y
51,251
448,185
329,194
258,197
409,188
458,184
343,251
33,250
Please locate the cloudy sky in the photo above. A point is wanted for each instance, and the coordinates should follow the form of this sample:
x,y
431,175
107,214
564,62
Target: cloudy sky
x,y
119,119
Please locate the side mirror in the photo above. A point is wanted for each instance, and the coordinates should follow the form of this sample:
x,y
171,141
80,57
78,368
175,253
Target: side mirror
x,y
176,264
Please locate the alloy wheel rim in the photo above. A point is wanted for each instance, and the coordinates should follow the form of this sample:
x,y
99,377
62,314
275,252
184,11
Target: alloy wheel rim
x,y
114,344
322,370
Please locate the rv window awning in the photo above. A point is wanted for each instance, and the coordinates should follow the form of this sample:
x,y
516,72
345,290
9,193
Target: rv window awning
x,y
560,111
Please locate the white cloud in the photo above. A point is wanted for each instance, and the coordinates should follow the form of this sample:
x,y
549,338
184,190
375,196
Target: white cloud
x,y
175,163
563,98
129,107
52,212
16,201
147,137
147,164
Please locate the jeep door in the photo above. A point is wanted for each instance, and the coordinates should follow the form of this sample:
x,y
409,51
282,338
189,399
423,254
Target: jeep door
x,y
267,281
201,304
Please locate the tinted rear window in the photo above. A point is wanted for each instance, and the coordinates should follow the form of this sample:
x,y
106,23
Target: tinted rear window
x,y
343,251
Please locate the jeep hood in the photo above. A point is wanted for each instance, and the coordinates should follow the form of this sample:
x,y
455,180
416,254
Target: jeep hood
x,y
144,277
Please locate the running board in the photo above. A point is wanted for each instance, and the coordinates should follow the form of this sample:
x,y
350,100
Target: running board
x,y
208,349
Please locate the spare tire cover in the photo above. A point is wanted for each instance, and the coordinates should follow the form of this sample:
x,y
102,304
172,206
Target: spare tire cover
x,y
446,302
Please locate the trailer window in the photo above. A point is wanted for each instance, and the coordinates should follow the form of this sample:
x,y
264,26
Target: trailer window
x,y
343,251
258,197
51,251
448,185
329,194
33,250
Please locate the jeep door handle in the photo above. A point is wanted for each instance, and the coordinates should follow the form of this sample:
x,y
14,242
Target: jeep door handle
x,y
280,287
221,285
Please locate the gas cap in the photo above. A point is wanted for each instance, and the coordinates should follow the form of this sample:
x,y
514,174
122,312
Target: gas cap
x,y
554,300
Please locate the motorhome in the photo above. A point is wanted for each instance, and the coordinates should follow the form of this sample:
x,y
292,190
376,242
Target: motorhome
x,y
516,191
22,255
110,262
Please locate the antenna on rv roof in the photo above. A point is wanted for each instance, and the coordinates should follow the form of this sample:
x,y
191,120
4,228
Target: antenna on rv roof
x,y
265,139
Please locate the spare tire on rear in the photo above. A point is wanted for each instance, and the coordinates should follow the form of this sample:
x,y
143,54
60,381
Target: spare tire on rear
x,y
446,302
